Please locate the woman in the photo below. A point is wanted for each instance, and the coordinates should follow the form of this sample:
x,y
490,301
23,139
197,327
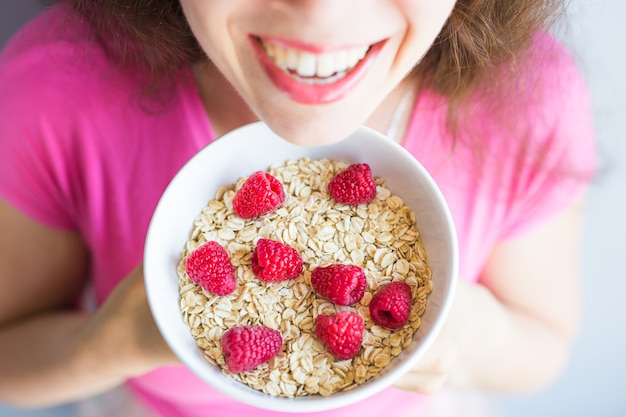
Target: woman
x,y
102,102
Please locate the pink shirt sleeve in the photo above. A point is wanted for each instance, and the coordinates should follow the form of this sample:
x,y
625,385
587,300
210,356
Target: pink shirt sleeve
x,y
516,161
32,177
568,156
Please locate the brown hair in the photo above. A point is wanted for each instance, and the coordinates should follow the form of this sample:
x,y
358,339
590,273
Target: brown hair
x,y
482,40
478,37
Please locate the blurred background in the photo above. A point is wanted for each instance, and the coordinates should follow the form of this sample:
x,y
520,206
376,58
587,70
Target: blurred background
x,y
593,384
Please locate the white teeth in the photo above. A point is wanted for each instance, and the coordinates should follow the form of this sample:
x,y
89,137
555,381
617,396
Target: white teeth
x,y
292,58
307,64
341,59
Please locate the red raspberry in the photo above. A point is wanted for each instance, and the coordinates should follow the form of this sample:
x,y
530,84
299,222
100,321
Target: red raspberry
x,y
391,305
341,284
342,333
209,266
259,194
354,185
274,261
246,347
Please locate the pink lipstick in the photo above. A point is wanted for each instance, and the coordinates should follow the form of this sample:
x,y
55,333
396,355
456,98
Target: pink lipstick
x,y
309,75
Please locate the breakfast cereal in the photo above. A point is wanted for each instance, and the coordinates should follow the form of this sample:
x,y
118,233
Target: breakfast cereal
x,y
381,237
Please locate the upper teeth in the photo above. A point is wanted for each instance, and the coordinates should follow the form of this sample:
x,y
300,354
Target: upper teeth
x,y
307,64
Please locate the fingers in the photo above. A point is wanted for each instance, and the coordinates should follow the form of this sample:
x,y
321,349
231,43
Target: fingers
x,y
124,327
431,372
422,383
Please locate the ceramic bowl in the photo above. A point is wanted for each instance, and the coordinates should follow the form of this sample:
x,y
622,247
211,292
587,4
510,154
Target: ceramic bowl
x,y
256,147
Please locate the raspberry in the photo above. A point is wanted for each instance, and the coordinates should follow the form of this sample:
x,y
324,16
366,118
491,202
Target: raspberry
x,y
353,186
274,261
209,266
246,347
260,194
342,333
341,284
391,305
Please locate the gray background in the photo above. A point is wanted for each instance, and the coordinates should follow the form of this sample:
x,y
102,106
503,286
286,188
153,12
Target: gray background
x,y
594,383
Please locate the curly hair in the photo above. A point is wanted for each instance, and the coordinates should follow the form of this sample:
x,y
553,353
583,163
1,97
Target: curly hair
x,y
476,39
481,41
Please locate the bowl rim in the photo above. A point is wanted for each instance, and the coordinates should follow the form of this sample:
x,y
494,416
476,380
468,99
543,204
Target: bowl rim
x,y
311,403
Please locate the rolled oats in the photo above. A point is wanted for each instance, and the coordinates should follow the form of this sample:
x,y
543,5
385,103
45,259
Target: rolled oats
x,y
381,236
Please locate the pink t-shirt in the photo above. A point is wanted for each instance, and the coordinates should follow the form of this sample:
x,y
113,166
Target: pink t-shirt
x,y
82,147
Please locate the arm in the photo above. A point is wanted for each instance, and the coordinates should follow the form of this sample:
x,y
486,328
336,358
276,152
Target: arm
x,y
52,353
512,331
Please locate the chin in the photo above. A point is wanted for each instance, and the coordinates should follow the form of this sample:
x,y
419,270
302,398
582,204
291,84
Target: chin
x,y
318,136
312,133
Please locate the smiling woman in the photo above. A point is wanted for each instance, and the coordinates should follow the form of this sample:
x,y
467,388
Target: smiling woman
x,y
453,46
299,110
102,102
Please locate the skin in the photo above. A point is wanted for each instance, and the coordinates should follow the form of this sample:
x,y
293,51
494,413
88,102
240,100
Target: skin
x,y
408,26
53,353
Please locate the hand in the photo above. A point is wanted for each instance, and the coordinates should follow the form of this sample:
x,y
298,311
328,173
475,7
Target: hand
x,y
123,330
433,370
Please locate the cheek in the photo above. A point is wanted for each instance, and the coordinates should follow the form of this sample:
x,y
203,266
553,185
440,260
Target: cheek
x,y
209,22
425,19
433,7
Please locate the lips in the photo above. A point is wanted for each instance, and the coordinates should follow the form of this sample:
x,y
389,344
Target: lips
x,y
311,75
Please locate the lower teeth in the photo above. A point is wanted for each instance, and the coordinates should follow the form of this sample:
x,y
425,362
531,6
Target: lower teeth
x,y
317,80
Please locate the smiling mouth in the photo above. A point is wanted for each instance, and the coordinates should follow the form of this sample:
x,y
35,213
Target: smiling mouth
x,y
311,74
314,68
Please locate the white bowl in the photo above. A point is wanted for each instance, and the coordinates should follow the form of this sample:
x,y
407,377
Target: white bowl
x,y
256,147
